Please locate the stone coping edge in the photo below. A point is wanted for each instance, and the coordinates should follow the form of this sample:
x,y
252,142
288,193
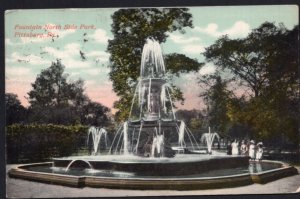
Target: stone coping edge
x,y
152,184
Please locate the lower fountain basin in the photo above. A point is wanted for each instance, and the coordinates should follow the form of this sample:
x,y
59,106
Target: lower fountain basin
x,y
114,177
181,164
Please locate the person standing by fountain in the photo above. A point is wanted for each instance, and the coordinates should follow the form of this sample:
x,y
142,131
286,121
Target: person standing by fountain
x,y
252,150
229,148
235,148
244,148
259,152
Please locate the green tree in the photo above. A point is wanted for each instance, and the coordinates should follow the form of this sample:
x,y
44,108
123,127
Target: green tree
x,y
216,98
192,118
266,55
131,28
266,62
55,100
187,115
15,112
94,113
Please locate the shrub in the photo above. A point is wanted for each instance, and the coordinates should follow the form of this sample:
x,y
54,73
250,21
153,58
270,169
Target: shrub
x,y
34,143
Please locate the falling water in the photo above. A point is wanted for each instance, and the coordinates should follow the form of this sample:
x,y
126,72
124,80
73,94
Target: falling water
x,y
135,93
151,106
152,55
158,146
163,97
97,133
125,138
72,162
149,94
171,103
181,134
209,139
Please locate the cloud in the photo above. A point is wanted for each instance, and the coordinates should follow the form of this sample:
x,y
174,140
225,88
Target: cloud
x,y
207,69
54,52
30,59
11,71
69,55
99,55
180,39
10,43
72,63
69,50
93,71
193,49
103,71
238,29
100,36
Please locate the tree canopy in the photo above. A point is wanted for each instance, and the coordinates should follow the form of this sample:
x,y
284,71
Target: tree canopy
x,y
266,62
264,57
54,99
217,98
15,112
131,28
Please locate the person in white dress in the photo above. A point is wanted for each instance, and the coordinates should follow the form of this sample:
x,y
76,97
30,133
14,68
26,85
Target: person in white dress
x,y
259,152
252,150
235,148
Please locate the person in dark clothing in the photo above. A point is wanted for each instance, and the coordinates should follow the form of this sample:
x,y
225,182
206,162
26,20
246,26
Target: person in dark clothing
x,y
229,148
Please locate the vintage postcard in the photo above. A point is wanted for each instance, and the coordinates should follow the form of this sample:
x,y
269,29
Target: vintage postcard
x,y
105,102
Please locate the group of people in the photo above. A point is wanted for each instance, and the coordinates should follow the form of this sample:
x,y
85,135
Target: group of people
x,y
254,151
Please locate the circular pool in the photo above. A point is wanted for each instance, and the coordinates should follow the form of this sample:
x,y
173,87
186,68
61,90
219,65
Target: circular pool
x,y
181,173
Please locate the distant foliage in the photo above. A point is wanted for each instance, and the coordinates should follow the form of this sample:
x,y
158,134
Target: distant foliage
x,y
15,112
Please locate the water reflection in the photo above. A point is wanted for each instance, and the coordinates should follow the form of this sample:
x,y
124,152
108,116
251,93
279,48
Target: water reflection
x,y
253,167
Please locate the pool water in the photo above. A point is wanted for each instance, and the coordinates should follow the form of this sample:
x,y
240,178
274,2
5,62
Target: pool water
x,y
253,167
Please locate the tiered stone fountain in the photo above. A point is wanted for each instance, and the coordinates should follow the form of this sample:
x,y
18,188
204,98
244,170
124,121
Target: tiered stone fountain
x,y
149,151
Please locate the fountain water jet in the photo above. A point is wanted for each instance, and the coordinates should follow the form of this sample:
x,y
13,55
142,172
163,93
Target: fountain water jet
x,y
74,161
96,133
209,139
152,111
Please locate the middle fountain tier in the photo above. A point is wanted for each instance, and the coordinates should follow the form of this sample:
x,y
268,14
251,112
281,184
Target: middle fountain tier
x,y
152,129
152,100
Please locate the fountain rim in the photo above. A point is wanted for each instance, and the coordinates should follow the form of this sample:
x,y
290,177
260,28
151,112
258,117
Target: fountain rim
x,y
283,166
131,178
185,183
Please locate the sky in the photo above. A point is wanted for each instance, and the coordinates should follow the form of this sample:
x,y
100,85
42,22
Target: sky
x,y
64,33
